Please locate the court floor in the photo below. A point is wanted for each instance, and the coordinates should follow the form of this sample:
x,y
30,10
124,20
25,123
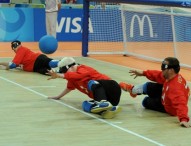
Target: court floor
x,y
28,118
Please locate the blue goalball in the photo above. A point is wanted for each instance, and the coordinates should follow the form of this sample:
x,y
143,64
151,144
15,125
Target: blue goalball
x,y
48,44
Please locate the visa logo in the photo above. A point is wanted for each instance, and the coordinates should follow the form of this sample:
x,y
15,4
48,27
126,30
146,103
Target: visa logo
x,y
69,25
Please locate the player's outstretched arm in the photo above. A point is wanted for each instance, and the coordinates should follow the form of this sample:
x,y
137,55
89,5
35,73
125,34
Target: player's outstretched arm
x,y
4,65
136,73
66,91
185,124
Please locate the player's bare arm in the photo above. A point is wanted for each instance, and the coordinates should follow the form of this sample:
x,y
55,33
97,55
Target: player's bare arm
x,y
66,91
4,65
185,124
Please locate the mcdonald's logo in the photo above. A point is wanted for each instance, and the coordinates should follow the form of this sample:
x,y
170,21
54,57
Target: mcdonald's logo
x,y
141,22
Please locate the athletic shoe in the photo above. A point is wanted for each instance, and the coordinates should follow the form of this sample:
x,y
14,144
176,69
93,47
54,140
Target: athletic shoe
x,y
109,114
102,106
128,88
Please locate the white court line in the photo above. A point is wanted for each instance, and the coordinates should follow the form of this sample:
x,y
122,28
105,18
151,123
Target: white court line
x,y
6,57
41,86
90,115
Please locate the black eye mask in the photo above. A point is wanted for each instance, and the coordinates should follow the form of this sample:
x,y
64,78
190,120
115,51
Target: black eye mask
x,y
15,44
166,66
64,69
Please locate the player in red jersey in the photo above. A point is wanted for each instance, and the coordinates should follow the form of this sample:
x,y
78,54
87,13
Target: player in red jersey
x,y
104,92
28,60
168,93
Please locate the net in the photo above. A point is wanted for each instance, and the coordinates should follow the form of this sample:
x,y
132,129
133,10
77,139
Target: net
x,y
148,32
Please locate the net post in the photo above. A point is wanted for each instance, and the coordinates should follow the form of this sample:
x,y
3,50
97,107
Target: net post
x,y
85,28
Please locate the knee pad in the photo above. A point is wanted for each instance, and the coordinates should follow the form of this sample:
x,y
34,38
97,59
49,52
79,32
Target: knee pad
x,y
91,83
144,102
87,105
140,89
145,88
53,63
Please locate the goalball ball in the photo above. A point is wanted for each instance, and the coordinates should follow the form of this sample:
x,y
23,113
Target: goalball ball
x,y
48,44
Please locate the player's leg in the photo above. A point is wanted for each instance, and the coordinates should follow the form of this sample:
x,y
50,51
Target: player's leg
x,y
113,93
153,90
135,90
44,63
128,88
99,96
153,100
153,104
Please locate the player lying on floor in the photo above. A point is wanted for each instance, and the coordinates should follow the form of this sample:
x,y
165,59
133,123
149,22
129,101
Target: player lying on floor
x,y
169,93
104,92
29,61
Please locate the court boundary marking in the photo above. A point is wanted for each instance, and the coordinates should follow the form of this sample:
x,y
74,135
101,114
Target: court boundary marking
x,y
90,115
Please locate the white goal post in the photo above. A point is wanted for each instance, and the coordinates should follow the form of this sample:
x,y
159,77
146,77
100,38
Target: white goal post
x,y
145,31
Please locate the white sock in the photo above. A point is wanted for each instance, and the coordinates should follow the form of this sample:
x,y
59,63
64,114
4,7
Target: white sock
x,y
138,89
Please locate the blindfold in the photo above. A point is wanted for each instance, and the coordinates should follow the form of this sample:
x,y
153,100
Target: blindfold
x,y
166,66
64,69
15,44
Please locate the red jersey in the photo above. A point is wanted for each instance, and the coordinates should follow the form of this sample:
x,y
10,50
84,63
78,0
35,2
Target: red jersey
x,y
79,79
26,58
175,93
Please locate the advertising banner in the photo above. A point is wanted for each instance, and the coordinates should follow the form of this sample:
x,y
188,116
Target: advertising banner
x,y
28,24
5,1
16,24
68,27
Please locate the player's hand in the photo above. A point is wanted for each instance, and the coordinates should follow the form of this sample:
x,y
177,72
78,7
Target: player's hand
x,y
2,67
136,73
52,74
54,97
7,68
185,124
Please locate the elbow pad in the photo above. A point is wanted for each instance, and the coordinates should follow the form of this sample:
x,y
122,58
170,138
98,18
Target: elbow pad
x,y
53,63
12,65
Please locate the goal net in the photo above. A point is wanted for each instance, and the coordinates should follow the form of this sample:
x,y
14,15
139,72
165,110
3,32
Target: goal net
x,y
144,31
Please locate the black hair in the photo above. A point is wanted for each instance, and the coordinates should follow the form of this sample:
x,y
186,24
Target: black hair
x,y
172,63
15,44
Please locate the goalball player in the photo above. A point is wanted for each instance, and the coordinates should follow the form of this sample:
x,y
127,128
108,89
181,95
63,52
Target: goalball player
x,y
168,92
28,60
104,92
